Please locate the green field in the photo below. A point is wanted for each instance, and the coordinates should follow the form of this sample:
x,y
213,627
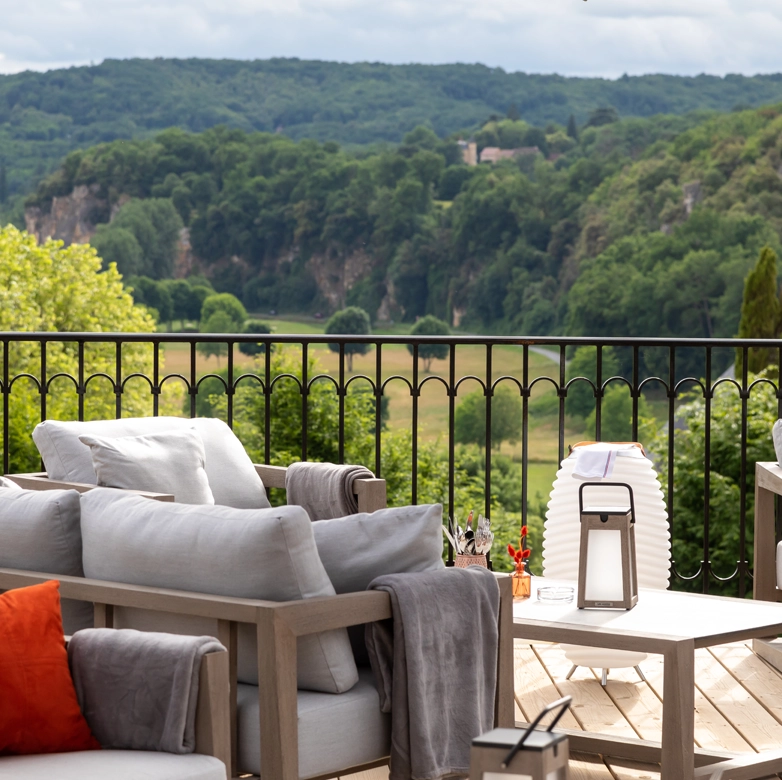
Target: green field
x,y
433,402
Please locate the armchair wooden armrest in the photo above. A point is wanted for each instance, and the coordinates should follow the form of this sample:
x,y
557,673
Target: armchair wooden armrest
x,y
278,624
40,481
371,493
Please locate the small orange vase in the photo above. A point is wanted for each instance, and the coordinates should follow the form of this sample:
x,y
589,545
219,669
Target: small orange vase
x,y
522,582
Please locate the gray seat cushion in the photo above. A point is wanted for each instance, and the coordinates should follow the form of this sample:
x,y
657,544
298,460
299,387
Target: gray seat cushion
x,y
246,553
40,531
113,764
232,477
335,732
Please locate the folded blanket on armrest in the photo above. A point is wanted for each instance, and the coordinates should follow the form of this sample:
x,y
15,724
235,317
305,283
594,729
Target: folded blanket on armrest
x,y
325,490
138,690
436,667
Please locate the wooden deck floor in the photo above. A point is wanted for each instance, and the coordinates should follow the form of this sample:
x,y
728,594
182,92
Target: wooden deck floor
x,y
738,704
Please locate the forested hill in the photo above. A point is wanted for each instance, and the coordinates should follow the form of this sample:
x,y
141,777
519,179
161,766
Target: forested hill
x,y
45,115
638,227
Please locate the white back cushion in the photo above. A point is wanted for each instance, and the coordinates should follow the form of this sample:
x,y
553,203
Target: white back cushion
x,y
257,554
166,462
232,477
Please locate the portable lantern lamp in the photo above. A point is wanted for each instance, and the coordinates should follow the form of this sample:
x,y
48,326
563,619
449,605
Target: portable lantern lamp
x,y
607,576
538,755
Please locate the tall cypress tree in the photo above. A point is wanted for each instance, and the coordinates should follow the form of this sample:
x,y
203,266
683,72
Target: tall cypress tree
x,y
760,310
572,128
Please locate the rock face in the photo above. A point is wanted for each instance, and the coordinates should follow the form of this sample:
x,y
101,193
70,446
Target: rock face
x,y
336,274
72,218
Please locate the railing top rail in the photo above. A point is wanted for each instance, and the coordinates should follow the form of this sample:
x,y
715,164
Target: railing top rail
x,y
312,338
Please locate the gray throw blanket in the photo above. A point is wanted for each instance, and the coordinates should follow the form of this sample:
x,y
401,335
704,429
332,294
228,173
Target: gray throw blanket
x,y
138,690
325,490
436,667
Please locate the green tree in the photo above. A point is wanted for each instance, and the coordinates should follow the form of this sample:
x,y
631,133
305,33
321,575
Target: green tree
x,y
219,321
470,418
39,285
230,305
119,246
430,326
725,477
572,128
760,311
254,326
513,113
181,299
616,416
3,181
154,295
350,321
580,395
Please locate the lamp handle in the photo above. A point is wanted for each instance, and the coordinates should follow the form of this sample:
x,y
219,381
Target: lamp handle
x,y
606,484
562,703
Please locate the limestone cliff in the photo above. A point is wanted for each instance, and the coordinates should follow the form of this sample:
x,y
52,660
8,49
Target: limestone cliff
x,y
72,218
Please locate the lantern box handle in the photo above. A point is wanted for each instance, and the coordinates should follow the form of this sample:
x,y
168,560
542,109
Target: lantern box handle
x,y
562,704
605,484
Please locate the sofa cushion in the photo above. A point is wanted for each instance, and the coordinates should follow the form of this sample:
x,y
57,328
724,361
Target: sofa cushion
x,y
258,554
358,548
335,732
40,531
114,764
39,712
232,477
165,462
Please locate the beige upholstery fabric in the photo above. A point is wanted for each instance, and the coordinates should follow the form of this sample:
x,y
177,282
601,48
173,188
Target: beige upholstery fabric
x,y
232,477
165,462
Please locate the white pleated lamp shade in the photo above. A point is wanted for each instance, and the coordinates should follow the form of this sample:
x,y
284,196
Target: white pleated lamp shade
x,y
562,536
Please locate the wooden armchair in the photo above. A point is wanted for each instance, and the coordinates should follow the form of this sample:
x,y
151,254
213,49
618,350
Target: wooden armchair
x,y
370,493
277,625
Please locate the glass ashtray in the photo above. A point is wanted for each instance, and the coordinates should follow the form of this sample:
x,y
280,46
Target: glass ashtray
x,y
560,594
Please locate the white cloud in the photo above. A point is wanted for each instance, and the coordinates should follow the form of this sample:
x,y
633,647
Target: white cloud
x,y
598,37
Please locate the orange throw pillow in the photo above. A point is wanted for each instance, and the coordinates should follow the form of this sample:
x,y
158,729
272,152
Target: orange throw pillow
x,y
39,712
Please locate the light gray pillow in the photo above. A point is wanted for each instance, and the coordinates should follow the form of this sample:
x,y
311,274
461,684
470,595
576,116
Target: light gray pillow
x,y
358,548
40,531
165,462
232,476
258,554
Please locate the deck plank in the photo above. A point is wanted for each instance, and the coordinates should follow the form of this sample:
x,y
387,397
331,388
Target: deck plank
x,y
592,707
636,700
712,729
378,773
588,767
533,686
634,771
761,680
751,719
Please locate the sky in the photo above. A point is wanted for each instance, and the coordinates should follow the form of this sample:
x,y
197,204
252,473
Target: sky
x,y
571,37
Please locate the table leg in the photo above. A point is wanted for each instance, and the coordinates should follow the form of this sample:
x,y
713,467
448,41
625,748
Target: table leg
x,y
678,743
764,584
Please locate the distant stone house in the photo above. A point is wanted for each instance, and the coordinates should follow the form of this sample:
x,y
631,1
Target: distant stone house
x,y
492,154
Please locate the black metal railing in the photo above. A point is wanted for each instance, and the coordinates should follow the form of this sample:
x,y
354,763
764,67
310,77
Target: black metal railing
x,y
84,375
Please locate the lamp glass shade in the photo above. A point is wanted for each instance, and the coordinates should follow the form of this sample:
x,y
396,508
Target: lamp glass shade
x,y
604,566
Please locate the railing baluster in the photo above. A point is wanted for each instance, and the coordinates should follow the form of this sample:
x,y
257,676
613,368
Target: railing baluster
x,y
414,447
742,562
706,563
489,394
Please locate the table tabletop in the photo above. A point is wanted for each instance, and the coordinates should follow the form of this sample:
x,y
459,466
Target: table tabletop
x,y
662,615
